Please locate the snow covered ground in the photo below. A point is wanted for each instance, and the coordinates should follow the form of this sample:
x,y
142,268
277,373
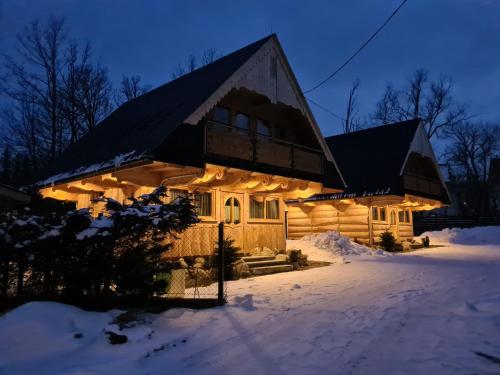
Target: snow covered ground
x,y
425,312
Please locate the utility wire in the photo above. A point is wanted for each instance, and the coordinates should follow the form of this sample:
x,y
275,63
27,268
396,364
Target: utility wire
x,y
358,50
324,109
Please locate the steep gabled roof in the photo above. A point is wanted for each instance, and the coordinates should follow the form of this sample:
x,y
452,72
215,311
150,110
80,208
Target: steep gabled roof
x,y
138,127
372,159
149,127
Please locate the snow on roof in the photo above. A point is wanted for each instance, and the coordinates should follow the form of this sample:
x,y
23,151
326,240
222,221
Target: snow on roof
x,y
115,162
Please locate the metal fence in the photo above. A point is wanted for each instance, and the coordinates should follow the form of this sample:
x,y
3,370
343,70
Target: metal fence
x,y
423,224
197,278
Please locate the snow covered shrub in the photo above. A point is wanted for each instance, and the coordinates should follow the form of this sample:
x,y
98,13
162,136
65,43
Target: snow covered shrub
x,y
75,255
387,241
140,234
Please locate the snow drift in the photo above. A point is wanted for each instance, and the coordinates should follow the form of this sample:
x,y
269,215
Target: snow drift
x,y
489,235
330,247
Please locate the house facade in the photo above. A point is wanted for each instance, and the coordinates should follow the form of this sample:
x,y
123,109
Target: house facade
x,y
390,171
237,134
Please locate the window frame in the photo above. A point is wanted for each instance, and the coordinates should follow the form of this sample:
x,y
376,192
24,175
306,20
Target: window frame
x,y
379,210
231,221
228,115
406,214
193,193
266,199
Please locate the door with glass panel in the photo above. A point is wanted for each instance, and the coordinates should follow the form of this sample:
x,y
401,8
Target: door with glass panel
x,y
232,214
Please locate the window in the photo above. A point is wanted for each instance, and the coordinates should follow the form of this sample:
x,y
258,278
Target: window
x,y
176,193
242,121
263,128
203,203
232,211
382,214
202,200
264,208
221,115
379,214
272,209
257,207
404,216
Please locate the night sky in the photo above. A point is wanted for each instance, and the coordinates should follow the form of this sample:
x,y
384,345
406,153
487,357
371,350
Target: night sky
x,y
460,38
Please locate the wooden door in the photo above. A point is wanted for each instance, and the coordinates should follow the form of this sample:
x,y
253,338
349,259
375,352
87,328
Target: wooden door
x,y
393,222
232,214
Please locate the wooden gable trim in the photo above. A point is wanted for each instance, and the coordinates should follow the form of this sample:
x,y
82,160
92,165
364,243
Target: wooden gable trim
x,y
420,140
236,79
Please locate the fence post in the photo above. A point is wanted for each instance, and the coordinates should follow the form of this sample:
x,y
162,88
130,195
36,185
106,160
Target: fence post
x,y
220,261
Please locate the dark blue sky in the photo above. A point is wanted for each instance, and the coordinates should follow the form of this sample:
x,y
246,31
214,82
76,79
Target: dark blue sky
x,y
460,38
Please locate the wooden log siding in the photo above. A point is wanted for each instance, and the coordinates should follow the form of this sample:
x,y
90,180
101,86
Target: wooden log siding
x,y
351,221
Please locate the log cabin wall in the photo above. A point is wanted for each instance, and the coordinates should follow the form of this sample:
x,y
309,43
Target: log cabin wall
x,y
350,220
200,239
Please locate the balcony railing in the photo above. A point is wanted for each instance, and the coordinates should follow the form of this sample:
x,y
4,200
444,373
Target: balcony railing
x,y
422,184
229,141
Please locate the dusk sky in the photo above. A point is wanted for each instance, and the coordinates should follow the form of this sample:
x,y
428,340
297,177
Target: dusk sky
x,y
460,38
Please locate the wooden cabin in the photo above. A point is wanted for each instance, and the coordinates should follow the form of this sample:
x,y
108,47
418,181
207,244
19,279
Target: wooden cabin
x,y
390,171
236,133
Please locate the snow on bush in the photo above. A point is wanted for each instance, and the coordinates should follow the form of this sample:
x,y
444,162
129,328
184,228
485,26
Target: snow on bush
x,y
465,236
330,247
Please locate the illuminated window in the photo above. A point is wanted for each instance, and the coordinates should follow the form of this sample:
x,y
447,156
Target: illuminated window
x,y
202,200
264,208
232,211
404,216
379,214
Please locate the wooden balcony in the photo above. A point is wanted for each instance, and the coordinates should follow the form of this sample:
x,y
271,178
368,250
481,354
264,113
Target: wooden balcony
x,y
228,141
422,184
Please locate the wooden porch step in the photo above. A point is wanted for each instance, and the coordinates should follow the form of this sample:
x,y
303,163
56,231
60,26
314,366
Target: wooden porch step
x,y
266,263
267,270
251,258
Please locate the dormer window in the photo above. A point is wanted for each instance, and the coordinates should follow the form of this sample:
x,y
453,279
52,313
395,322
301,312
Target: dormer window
x,y
221,115
263,128
242,121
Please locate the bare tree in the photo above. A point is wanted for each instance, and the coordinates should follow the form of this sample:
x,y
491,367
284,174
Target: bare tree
x,y
40,47
387,109
131,88
95,95
193,62
430,101
209,56
469,154
351,120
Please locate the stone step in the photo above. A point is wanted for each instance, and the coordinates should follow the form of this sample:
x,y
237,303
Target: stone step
x,y
266,263
271,269
256,258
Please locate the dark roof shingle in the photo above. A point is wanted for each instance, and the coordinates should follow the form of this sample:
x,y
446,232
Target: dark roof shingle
x,y
144,123
371,159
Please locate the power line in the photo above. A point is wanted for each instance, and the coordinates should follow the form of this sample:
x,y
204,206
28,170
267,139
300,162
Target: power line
x,y
324,109
358,50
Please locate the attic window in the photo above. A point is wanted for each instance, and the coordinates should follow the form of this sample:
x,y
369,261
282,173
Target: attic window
x,y
221,115
263,128
242,121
